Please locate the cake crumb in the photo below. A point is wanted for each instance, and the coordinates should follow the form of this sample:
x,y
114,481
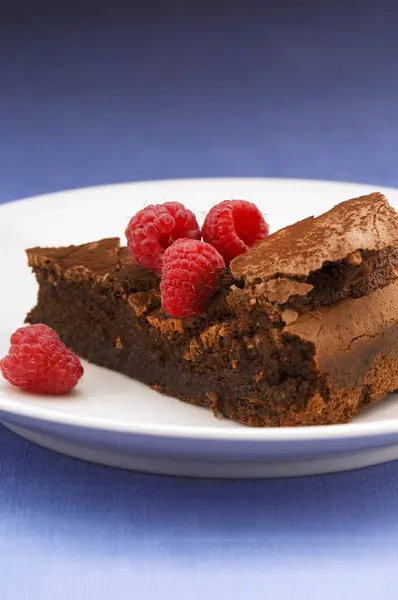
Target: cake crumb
x,y
235,364
167,326
289,316
253,400
259,377
141,302
252,342
209,338
213,397
354,258
194,349
119,344
51,279
316,405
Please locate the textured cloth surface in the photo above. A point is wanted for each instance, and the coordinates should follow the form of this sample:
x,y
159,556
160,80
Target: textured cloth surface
x,y
94,94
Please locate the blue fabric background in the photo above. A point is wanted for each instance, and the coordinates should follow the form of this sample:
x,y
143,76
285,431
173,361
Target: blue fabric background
x,y
99,92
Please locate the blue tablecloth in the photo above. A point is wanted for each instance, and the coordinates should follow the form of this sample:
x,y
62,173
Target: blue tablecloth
x,y
99,92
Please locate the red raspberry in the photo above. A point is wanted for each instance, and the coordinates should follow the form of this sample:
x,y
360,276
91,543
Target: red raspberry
x,y
190,276
39,362
155,228
233,226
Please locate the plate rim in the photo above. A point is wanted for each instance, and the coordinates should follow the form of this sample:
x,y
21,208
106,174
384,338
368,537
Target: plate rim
x,y
315,433
48,196
346,431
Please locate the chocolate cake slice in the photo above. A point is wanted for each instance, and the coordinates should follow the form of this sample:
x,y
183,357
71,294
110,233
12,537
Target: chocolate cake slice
x,y
303,331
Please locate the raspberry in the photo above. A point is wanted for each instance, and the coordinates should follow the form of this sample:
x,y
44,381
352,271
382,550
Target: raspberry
x,y
190,275
39,362
155,228
233,226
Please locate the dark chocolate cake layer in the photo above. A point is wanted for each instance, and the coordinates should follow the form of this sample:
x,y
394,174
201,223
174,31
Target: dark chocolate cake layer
x,y
308,338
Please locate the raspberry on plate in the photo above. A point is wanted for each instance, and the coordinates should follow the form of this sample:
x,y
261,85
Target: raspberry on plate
x,y
155,228
233,226
39,362
190,277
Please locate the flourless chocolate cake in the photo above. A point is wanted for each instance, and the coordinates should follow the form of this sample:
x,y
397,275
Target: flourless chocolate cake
x,y
303,330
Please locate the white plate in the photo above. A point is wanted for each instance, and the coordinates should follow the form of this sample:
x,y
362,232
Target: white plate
x,y
114,420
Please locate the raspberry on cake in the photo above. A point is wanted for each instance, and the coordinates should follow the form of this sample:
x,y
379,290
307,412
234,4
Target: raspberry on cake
x,y
303,329
234,226
39,362
190,277
155,228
